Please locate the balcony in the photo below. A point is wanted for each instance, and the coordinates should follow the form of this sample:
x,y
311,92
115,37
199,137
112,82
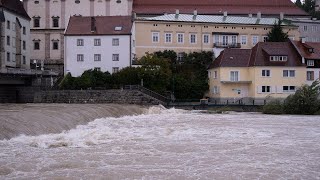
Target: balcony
x,y
235,82
228,45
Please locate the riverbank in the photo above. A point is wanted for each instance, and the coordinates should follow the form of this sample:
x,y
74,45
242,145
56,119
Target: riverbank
x,y
37,119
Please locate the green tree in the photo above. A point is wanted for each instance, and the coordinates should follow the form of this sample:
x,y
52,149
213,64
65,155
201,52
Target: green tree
x,y
298,3
276,34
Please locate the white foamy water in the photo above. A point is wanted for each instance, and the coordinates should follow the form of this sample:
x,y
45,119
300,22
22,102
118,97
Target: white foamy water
x,y
171,144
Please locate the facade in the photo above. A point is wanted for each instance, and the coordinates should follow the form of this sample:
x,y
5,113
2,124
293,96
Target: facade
x,y
269,69
308,28
51,17
102,43
15,33
311,58
188,33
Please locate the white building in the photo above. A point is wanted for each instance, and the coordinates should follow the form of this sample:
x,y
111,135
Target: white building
x,y
51,17
101,42
15,34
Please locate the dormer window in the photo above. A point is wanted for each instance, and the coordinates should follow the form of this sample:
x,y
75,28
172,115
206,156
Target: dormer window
x,y
310,63
118,1
278,58
311,50
77,1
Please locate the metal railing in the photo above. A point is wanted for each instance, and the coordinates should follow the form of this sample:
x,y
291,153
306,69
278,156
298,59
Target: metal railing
x,y
228,45
147,92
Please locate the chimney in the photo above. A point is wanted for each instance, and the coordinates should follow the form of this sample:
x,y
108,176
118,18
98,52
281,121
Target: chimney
x,y
259,15
134,15
303,40
281,16
250,15
195,13
177,14
93,25
225,13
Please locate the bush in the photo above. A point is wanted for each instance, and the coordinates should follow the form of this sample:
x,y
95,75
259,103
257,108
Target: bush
x,y
273,107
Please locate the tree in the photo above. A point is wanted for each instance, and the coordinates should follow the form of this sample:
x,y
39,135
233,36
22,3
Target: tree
x,y
299,4
276,34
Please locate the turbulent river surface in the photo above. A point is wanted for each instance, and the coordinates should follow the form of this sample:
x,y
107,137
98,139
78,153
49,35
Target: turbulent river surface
x,y
170,144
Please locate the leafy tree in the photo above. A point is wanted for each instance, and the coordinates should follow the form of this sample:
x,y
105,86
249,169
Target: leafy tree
x,y
276,34
298,3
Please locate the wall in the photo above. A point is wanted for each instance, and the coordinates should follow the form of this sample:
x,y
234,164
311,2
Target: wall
x,y
310,29
95,96
144,29
88,50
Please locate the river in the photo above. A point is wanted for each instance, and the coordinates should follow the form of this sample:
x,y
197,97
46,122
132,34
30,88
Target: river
x,y
170,144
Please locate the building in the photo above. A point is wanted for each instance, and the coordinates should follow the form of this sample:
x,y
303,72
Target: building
x,y
98,42
308,28
193,32
50,18
271,69
15,32
217,7
310,52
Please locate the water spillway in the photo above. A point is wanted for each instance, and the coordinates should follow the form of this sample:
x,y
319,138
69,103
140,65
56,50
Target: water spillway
x,y
37,119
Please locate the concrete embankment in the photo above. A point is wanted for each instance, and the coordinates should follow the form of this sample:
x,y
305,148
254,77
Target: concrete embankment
x,y
37,119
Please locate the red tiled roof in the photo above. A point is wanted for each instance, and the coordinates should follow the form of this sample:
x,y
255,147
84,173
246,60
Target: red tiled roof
x,y
259,55
15,6
102,25
235,7
303,48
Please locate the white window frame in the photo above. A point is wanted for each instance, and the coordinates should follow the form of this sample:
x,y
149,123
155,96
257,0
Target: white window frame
x,y
234,78
265,73
288,73
265,38
193,38
267,89
97,68
225,40
97,57
115,69
206,38
80,57
310,79
115,41
80,42
180,38
216,38
155,37
233,39
215,90
180,56
253,40
290,90
310,62
97,42
215,74
115,57
168,37
244,39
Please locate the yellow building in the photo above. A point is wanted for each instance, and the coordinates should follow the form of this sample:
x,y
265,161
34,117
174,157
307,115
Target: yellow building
x,y
189,33
271,69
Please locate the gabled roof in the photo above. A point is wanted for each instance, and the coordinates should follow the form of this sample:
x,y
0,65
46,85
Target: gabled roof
x,y
99,25
235,7
304,49
259,55
215,19
14,6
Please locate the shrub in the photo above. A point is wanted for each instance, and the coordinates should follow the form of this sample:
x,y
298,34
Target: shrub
x,y
273,107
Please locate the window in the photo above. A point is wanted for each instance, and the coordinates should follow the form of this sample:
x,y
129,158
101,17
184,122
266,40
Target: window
x,y
24,61
97,42
278,58
36,2
115,57
115,42
115,69
55,45
24,30
265,73
265,38
8,40
80,57
8,24
24,45
234,75
180,38
180,56
244,40
305,28
168,38
283,58
254,40
97,57
8,56
77,1
36,22
36,45
225,40
310,63
310,75
155,37
266,89
206,39
13,26
289,73
193,38
215,74
216,39
80,42
215,90
13,42
288,88
233,39
97,68
55,21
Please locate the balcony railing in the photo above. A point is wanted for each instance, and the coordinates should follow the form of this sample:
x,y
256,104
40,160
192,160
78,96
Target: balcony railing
x,y
229,45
